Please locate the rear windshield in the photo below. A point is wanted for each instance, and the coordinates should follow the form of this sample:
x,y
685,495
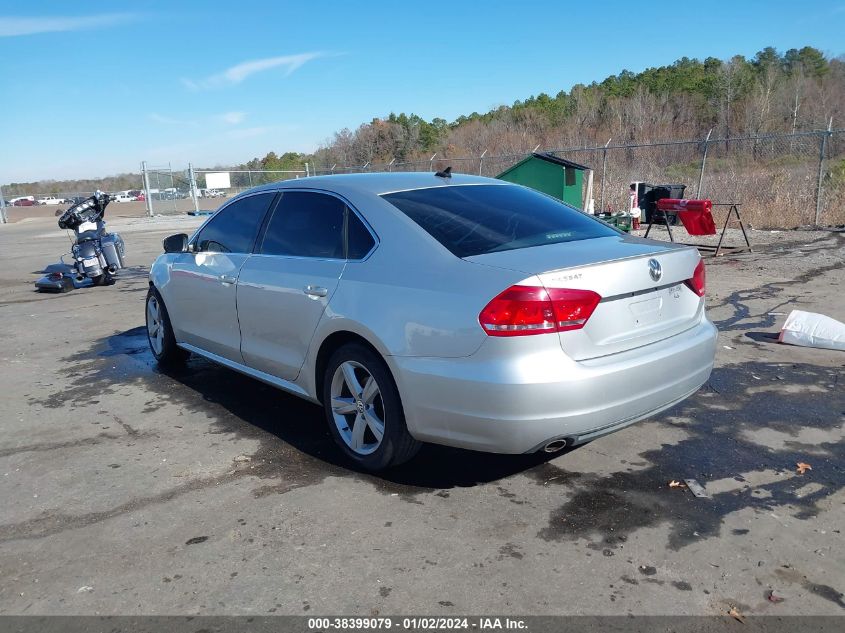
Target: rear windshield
x,y
477,219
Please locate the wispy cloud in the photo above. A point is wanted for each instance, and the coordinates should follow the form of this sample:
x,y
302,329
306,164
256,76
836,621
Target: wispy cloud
x,y
11,26
236,74
232,118
249,132
227,118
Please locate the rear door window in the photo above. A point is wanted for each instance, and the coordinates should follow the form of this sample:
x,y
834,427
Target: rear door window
x,y
306,224
476,219
235,227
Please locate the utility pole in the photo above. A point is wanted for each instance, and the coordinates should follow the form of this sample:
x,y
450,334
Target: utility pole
x,y
822,147
703,161
603,173
147,196
193,185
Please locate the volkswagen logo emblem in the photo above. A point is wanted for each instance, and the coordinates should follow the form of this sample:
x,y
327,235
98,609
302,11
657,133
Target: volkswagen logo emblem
x,y
655,270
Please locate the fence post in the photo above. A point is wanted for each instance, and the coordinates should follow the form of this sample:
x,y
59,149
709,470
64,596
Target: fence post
x,y
822,147
481,162
249,177
603,172
3,219
431,162
193,185
703,161
390,164
307,170
172,185
148,199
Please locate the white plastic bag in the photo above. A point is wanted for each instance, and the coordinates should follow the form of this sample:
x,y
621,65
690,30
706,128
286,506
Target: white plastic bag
x,y
813,330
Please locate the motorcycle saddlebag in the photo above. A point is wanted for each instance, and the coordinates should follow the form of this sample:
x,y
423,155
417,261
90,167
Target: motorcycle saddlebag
x,y
112,248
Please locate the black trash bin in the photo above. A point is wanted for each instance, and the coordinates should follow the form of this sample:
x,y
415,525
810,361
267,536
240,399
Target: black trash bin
x,y
652,193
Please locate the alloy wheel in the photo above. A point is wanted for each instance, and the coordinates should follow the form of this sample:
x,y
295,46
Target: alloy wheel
x,y
357,407
155,325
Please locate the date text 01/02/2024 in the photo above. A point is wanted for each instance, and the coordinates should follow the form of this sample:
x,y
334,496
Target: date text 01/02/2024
x,y
416,623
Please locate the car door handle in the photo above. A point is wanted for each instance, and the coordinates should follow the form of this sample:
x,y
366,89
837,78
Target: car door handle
x,y
315,291
227,279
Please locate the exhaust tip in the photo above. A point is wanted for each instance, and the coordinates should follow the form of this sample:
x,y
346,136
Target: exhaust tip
x,y
554,446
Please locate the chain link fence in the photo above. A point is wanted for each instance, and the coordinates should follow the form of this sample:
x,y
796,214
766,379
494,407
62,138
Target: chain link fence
x,y
781,180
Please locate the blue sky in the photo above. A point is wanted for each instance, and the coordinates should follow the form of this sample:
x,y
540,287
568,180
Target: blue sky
x,y
92,88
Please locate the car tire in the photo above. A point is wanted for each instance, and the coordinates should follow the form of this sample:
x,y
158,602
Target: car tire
x,y
376,407
160,332
98,280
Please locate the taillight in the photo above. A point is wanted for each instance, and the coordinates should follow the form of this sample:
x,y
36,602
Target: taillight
x,y
573,307
696,283
524,310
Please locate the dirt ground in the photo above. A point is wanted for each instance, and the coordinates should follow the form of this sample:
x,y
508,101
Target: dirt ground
x,y
130,490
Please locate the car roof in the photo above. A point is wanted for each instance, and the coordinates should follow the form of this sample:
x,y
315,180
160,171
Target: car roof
x,y
378,182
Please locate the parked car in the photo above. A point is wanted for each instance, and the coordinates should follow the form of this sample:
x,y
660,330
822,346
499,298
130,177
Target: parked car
x,y
26,201
213,193
76,200
122,197
50,200
417,308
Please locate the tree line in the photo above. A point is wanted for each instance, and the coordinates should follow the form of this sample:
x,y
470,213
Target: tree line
x,y
771,92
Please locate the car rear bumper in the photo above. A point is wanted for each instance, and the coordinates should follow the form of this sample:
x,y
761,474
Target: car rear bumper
x,y
517,394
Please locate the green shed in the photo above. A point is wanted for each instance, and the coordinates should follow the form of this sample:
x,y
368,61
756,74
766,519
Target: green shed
x,y
555,176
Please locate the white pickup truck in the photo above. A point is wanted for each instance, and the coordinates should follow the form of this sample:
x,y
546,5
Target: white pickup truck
x,y
121,197
51,200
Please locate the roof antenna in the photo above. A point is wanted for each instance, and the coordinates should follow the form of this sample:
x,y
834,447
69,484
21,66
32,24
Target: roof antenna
x,y
446,173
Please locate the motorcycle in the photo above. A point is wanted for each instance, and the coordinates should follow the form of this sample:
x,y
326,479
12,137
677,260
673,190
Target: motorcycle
x,y
97,254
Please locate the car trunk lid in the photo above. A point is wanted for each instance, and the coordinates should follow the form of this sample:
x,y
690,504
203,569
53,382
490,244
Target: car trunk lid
x,y
636,309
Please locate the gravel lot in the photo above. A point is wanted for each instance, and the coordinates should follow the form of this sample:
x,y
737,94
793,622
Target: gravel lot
x,y
127,490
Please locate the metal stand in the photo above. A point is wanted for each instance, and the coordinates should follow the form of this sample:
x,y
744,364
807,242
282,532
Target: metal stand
x,y
734,209
718,249
666,215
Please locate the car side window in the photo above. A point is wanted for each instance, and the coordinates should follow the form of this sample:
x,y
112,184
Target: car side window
x,y
359,241
234,228
306,224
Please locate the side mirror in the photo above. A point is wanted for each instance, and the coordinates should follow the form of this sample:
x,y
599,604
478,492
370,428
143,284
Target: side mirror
x,y
176,243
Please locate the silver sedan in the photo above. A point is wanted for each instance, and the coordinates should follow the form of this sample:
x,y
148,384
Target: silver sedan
x,y
417,307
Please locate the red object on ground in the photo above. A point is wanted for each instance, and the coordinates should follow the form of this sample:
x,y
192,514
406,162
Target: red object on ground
x,y
696,215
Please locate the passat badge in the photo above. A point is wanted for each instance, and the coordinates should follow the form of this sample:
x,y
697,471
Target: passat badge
x,y
655,270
